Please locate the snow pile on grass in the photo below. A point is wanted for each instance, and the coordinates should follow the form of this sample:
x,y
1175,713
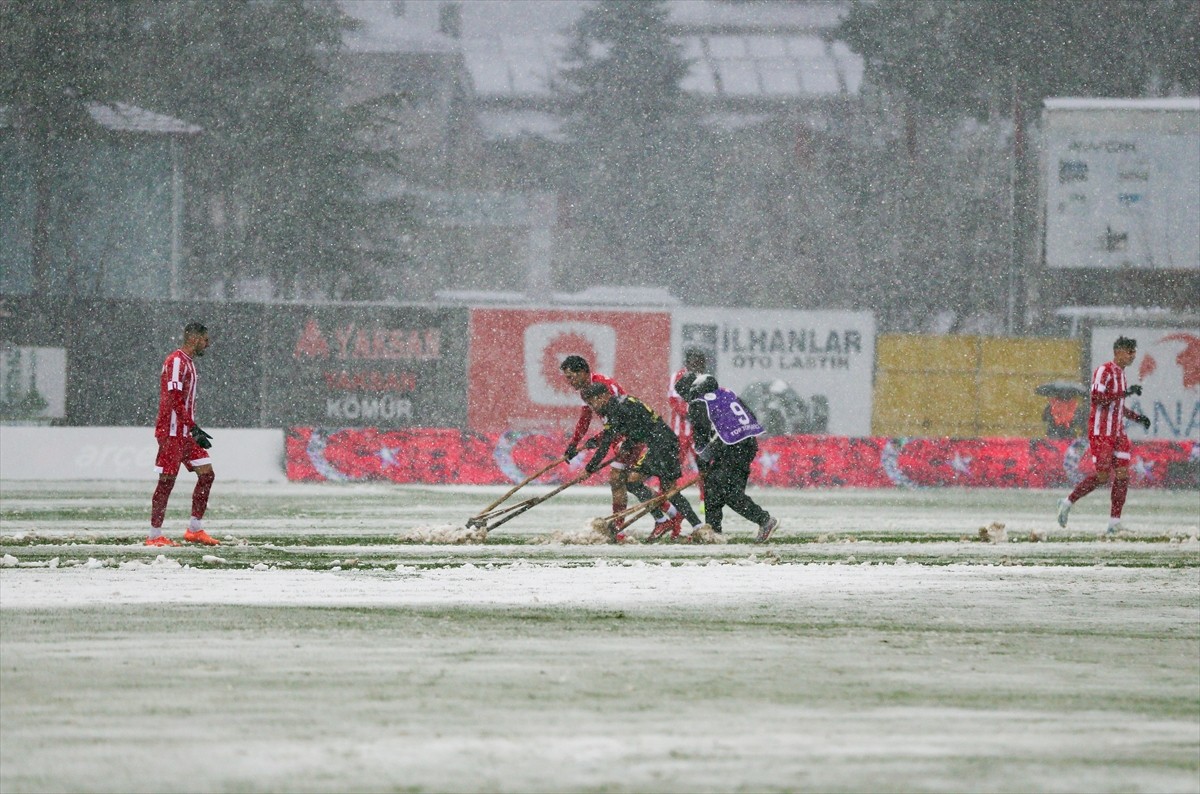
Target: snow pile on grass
x,y
994,533
706,534
594,534
444,534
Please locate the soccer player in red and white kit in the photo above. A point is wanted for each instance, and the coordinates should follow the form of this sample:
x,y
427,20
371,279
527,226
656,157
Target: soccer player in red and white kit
x,y
694,362
1107,439
180,441
579,374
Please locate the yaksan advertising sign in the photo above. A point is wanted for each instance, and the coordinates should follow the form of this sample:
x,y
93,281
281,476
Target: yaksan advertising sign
x,y
800,372
366,367
1168,369
516,384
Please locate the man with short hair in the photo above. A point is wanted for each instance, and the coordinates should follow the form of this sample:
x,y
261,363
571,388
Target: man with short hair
x,y
578,373
726,442
180,440
643,429
1107,440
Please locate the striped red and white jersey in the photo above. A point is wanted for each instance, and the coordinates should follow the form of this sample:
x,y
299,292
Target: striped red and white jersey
x,y
679,407
1107,416
585,415
176,396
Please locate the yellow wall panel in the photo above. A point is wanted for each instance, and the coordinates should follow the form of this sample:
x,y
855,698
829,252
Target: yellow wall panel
x,y
1009,399
1055,358
923,402
916,353
966,386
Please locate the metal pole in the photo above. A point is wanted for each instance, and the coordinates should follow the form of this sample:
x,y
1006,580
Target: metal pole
x,y
176,217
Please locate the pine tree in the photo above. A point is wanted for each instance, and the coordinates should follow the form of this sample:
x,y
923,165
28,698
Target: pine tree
x,y
273,176
626,115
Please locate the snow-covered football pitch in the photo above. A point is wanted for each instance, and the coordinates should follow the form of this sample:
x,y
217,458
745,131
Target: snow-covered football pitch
x,y
880,642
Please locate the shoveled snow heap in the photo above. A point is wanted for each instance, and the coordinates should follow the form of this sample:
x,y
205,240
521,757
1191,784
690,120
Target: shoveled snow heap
x,y
444,534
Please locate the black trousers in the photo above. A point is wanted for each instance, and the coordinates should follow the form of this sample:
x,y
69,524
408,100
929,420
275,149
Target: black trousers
x,y
725,479
661,460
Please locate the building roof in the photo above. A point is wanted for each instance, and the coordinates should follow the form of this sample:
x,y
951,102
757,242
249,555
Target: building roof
x,y
1099,103
730,66
131,118
122,117
513,49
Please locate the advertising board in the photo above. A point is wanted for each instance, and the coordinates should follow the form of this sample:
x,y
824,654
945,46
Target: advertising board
x,y
33,384
365,366
451,457
514,376
1122,183
799,371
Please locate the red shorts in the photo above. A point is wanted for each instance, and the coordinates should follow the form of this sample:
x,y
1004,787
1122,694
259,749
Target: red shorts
x,y
176,450
1109,452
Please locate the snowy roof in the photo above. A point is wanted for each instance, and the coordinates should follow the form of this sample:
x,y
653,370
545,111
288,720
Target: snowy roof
x,y
514,49
402,27
618,296
508,124
130,118
735,66
122,117
1098,103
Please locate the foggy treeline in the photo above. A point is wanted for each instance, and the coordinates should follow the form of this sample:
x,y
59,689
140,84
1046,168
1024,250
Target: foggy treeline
x,y
914,198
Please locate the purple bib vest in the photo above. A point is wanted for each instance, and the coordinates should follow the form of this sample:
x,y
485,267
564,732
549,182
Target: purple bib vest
x,y
729,417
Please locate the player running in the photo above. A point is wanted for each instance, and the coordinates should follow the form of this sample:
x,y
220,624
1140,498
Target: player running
x,y
180,441
644,430
1107,440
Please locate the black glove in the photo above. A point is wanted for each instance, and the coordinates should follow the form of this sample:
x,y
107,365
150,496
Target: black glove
x,y
1142,420
570,452
593,465
1135,390
202,439
592,442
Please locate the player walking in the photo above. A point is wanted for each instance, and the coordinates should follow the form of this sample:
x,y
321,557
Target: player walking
x,y
1107,439
180,441
726,443
643,430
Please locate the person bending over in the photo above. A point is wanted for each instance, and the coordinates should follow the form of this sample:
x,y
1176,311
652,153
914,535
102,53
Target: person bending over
x,y
642,427
725,434
578,373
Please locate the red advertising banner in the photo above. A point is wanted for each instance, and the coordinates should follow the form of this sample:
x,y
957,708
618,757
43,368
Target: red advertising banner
x,y
450,456
515,354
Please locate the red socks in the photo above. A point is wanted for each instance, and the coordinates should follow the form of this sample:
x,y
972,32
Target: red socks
x,y
200,494
158,502
1085,487
1119,490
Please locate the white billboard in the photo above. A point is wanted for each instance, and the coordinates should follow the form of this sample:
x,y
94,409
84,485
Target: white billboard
x,y
1122,183
799,371
33,384
1168,369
